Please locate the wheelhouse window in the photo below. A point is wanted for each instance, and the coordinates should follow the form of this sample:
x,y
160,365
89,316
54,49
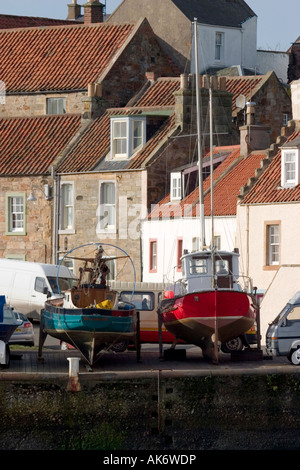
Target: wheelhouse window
x,y
273,244
128,135
290,167
67,207
15,213
197,265
56,105
107,206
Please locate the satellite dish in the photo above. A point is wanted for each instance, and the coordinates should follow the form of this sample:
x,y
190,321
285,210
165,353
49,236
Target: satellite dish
x,y
240,102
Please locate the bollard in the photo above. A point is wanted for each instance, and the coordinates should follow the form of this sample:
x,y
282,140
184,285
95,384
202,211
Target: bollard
x,y
73,385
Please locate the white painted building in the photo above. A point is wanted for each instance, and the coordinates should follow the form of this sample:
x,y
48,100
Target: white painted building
x,y
221,46
174,225
268,222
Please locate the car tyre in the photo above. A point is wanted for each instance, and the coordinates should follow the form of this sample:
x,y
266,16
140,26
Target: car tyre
x,y
235,344
294,356
120,347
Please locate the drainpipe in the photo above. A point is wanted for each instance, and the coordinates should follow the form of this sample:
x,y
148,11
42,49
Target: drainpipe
x,y
56,191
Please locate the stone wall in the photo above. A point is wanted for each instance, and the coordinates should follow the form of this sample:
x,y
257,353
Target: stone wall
x,y
33,105
36,244
183,414
130,191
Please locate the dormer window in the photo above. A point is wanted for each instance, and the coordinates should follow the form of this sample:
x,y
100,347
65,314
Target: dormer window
x,y
290,167
176,186
128,135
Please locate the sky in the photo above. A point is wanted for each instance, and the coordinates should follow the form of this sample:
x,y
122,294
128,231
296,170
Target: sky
x,y
278,20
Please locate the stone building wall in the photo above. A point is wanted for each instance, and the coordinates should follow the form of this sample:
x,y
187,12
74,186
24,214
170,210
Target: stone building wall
x,y
129,196
32,105
36,244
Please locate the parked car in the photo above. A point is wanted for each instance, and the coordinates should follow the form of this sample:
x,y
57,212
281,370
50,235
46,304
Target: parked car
x,y
283,333
24,334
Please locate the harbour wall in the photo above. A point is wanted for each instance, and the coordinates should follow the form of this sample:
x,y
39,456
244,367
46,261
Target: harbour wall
x,y
213,412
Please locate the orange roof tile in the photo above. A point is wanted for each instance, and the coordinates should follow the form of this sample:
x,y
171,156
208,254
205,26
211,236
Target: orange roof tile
x,y
228,188
90,151
58,57
246,85
161,93
268,189
228,177
30,145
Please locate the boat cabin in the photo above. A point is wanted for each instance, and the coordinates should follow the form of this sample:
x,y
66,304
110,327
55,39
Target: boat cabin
x,y
204,270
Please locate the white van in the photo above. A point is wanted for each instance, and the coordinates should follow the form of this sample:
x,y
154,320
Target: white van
x,y
26,285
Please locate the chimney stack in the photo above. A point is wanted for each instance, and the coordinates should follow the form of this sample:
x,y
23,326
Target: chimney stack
x,y
74,10
253,136
93,12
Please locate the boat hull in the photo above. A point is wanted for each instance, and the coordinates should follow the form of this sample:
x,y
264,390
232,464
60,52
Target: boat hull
x,y
89,330
6,332
197,316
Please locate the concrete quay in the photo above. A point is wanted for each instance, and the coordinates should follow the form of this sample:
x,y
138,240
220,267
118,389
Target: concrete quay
x,y
24,365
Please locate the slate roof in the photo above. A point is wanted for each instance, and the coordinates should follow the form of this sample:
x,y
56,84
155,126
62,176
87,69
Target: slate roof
x,y
58,57
267,189
13,21
30,145
216,12
228,178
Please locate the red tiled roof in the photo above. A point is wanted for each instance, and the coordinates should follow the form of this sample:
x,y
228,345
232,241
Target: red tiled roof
x,y
58,57
267,189
161,93
95,142
246,85
93,145
30,145
228,188
229,177
13,21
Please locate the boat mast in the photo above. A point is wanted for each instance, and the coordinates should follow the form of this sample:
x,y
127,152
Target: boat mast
x,y
211,168
200,157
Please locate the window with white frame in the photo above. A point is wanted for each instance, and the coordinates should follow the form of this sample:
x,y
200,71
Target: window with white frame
x,y
107,206
153,256
67,207
56,105
217,242
176,186
273,244
15,213
128,134
219,46
289,167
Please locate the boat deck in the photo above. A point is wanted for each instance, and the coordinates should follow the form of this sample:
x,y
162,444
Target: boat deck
x,y
24,365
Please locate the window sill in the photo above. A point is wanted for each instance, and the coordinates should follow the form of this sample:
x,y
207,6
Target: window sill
x,y
18,234
271,267
66,232
104,230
